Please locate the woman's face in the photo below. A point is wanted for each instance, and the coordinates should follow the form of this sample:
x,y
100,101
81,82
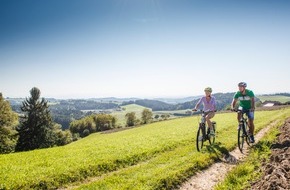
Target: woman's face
x,y
207,93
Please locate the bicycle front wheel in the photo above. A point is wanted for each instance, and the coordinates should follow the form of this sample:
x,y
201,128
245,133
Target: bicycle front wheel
x,y
199,139
241,138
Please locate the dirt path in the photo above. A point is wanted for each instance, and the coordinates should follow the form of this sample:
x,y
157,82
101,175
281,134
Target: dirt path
x,y
208,178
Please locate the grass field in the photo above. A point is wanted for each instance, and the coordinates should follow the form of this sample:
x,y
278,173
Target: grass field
x,y
155,156
282,99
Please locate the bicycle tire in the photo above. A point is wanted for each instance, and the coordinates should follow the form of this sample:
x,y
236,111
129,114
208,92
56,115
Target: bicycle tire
x,y
211,138
246,135
199,139
241,138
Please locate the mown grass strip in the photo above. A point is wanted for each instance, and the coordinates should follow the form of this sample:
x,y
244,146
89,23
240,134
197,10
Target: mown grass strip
x,y
247,171
102,153
159,172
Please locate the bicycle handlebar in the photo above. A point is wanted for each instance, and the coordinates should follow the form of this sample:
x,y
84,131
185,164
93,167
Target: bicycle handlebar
x,y
240,111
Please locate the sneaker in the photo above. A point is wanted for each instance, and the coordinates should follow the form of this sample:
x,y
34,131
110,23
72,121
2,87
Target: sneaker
x,y
252,139
212,132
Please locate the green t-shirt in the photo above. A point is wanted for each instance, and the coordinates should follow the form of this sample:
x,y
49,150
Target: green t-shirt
x,y
245,100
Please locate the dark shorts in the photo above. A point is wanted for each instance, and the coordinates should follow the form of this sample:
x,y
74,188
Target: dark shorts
x,y
250,114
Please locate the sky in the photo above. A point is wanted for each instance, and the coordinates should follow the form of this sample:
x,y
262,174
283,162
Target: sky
x,y
143,48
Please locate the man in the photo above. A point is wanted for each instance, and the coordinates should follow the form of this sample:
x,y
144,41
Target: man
x,y
246,104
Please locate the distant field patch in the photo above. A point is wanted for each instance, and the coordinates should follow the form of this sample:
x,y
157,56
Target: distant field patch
x,y
278,98
120,115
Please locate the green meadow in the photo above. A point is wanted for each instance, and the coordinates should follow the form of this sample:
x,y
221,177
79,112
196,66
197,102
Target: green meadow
x,y
160,155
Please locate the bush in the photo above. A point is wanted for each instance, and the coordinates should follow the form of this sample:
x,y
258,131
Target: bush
x,y
86,132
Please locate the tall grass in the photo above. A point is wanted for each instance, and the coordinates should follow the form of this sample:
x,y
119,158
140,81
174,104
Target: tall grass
x,y
161,154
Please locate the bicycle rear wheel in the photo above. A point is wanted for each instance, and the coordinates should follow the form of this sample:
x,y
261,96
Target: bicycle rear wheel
x,y
199,139
246,135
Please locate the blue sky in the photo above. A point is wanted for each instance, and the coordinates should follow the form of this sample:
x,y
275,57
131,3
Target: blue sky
x,y
143,48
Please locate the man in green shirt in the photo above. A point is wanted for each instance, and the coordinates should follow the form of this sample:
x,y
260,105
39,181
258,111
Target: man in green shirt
x,y
246,100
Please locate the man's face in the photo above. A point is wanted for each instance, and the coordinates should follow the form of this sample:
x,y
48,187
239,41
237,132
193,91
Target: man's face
x,y
241,88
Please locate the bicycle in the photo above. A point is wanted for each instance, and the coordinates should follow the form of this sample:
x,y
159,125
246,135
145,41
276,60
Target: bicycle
x,y
203,132
243,134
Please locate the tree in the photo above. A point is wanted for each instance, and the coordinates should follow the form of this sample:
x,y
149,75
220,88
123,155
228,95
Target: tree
x,y
131,118
91,124
36,127
105,122
7,116
156,117
146,116
8,120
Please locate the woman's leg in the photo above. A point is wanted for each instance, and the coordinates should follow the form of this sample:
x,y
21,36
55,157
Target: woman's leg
x,y
208,117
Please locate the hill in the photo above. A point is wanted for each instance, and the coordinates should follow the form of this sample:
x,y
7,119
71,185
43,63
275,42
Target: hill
x,y
159,155
223,101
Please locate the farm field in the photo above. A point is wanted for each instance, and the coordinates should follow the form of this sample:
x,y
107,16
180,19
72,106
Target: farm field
x,y
120,115
282,99
159,155
121,119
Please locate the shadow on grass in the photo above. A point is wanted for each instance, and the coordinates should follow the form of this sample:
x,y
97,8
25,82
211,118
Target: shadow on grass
x,y
221,153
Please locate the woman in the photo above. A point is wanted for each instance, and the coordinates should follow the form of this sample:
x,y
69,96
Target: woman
x,y
209,107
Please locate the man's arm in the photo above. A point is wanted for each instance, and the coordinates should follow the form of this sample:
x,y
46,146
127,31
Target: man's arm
x,y
252,103
234,103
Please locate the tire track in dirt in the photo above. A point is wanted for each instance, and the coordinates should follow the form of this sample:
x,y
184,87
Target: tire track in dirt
x,y
209,177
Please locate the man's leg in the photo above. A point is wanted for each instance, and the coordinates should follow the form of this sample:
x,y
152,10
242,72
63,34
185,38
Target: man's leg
x,y
251,126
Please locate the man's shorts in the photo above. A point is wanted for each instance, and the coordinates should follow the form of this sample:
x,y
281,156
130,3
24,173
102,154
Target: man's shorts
x,y
250,115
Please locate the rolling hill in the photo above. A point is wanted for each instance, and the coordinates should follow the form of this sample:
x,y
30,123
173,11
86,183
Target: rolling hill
x,y
158,155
